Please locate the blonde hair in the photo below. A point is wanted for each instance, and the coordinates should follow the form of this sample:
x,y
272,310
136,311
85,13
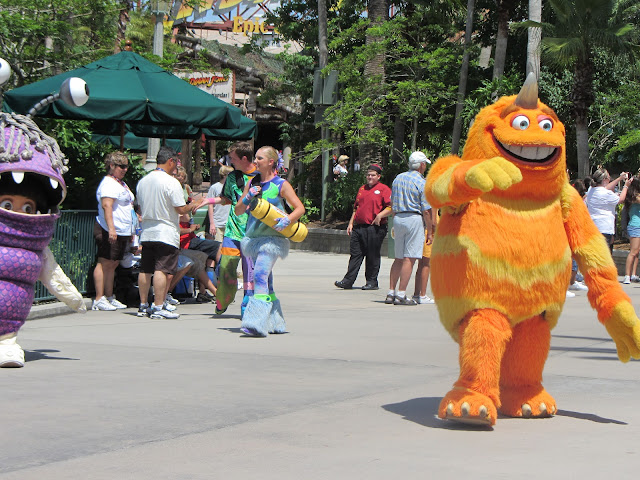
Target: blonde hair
x,y
271,153
598,176
225,170
114,158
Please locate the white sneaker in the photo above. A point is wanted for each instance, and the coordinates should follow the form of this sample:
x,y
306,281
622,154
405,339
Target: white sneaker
x,y
11,354
103,304
627,280
171,308
423,300
114,301
170,300
160,313
578,286
635,278
570,294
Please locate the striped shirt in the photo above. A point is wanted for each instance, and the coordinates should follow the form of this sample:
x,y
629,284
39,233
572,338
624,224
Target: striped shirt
x,y
407,193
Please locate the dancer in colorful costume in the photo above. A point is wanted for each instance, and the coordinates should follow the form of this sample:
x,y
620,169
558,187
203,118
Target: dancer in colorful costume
x,y
264,244
501,259
31,188
241,155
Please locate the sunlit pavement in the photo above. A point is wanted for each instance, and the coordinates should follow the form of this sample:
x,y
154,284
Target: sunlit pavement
x,y
350,392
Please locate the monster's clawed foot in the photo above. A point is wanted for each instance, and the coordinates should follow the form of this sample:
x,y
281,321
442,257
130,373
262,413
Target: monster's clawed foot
x,y
527,402
466,406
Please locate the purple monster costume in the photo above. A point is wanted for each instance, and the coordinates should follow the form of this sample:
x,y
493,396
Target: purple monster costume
x,y
30,161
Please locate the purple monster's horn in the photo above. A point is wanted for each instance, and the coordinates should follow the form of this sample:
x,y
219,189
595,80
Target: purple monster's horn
x,y
528,96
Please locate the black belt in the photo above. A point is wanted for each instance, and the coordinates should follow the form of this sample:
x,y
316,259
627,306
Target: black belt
x,y
413,213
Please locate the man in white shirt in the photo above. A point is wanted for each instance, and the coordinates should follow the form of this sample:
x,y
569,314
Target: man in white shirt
x,y
161,203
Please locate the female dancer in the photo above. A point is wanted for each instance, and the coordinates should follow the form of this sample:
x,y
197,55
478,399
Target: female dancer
x,y
264,244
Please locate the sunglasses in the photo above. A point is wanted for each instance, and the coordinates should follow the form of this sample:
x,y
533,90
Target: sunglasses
x,y
122,165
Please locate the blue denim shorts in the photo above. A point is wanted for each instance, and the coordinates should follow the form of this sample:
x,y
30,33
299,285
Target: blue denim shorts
x,y
634,232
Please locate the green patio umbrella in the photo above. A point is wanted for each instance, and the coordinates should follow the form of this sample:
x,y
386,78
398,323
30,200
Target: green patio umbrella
x,y
131,142
126,88
247,129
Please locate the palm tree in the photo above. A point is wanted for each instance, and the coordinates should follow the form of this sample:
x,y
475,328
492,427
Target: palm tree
x,y
378,12
502,36
581,26
464,75
534,38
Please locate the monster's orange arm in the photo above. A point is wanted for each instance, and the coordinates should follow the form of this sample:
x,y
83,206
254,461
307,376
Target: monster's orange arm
x,y
453,181
591,253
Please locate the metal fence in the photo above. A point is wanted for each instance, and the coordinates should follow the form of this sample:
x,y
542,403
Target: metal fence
x,y
73,248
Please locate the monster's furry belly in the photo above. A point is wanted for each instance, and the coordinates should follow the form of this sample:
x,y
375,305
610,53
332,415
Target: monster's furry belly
x,y
517,264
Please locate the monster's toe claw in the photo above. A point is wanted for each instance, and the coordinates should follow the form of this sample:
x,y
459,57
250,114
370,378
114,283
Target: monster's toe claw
x,y
465,408
450,409
543,409
483,412
526,410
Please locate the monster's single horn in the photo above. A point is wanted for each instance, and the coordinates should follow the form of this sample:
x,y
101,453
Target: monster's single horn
x,y
528,96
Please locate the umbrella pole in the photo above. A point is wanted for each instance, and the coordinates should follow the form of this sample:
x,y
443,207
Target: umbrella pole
x,y
122,135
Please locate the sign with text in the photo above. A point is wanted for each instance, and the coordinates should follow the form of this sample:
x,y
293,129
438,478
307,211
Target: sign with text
x,y
215,83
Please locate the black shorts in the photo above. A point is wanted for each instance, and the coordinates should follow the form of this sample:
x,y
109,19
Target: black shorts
x,y
106,250
210,247
158,256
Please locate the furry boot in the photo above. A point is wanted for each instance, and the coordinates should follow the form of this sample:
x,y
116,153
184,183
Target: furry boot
x,y
255,320
11,354
276,318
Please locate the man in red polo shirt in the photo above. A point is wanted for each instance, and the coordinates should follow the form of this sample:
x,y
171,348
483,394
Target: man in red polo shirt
x,y
368,227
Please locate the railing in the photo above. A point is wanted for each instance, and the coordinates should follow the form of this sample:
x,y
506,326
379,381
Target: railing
x,y
73,248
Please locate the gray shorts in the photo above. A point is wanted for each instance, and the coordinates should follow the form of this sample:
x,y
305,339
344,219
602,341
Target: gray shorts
x,y
408,229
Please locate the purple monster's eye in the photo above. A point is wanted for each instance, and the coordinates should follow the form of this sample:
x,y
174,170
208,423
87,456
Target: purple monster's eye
x,y
28,208
6,204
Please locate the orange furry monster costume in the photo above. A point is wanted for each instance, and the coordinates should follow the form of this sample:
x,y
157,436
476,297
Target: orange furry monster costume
x,y
501,259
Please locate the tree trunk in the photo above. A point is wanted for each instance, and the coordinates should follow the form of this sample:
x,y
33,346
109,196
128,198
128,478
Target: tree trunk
x,y
502,38
582,142
123,21
462,84
323,50
582,98
378,12
534,38
398,140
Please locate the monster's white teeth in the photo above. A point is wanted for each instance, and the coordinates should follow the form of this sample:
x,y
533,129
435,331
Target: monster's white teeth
x,y
54,183
530,153
18,177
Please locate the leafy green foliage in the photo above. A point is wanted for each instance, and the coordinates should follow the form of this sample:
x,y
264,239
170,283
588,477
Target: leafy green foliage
x,y
342,193
40,38
311,212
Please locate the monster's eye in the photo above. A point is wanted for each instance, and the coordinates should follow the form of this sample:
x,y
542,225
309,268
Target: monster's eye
x,y
546,124
6,204
521,122
28,208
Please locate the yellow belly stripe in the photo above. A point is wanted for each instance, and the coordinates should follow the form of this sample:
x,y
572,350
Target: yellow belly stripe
x,y
501,268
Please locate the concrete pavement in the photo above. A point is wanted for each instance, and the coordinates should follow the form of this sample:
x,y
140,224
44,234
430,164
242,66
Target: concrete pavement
x,y
351,392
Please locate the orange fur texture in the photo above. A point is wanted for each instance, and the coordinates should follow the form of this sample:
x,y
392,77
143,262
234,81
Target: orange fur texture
x,y
501,261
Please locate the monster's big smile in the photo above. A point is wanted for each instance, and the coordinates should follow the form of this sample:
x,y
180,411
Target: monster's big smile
x,y
540,155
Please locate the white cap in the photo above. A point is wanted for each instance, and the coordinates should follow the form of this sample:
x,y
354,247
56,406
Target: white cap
x,y
416,158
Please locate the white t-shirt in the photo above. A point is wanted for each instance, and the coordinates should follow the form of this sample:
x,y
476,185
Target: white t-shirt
x,y
602,206
122,206
158,195
340,170
220,212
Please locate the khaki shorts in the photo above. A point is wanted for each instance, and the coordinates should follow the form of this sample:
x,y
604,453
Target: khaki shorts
x,y
426,250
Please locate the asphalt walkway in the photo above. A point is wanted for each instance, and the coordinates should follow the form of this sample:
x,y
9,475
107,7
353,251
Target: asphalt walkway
x,y
350,392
